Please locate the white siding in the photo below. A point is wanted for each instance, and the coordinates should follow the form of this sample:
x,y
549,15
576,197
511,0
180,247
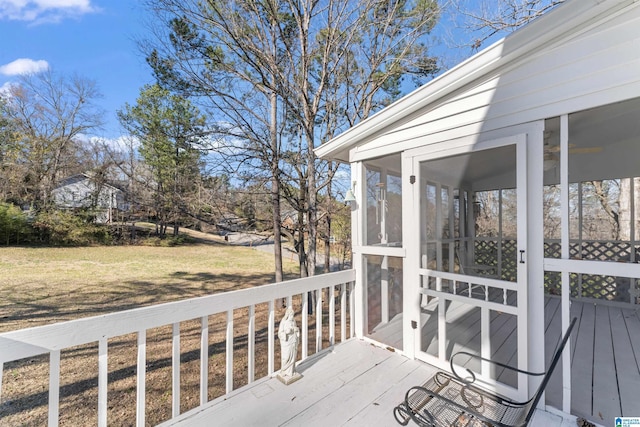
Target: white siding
x,y
598,65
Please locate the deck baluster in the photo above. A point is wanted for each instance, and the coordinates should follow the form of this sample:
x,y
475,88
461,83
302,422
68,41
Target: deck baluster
x,y
204,360
332,315
251,345
343,311
270,339
1,372
103,375
305,324
229,367
54,387
318,320
175,370
103,328
352,310
141,374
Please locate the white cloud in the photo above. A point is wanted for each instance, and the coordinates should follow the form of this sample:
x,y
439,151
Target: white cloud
x,y
121,144
41,11
24,66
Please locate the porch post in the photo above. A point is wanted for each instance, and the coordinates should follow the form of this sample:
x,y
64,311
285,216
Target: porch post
x,y
357,212
535,249
565,254
411,263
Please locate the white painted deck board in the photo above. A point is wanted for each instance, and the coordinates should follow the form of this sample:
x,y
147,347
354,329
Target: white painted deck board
x,y
605,356
359,384
582,361
628,375
269,402
605,363
354,385
378,410
552,336
504,344
605,398
357,395
632,320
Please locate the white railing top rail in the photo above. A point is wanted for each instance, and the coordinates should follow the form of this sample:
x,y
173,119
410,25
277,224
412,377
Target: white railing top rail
x,y
476,280
19,344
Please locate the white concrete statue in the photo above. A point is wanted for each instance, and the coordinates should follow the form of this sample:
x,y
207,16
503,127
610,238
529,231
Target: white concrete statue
x,y
289,335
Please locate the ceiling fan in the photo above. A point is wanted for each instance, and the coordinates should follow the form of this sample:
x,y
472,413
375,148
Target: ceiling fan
x,y
552,151
552,146
573,149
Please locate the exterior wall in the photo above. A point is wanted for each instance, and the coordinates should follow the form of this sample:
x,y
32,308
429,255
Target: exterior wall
x,y
74,194
578,64
595,67
80,192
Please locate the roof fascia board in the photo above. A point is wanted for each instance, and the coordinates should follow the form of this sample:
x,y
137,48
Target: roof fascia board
x,y
557,24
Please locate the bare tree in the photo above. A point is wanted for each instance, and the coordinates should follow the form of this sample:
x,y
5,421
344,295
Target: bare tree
x,y
328,64
51,115
488,18
9,180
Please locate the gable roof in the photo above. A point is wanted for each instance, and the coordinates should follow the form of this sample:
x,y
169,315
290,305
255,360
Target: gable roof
x,y
554,28
80,177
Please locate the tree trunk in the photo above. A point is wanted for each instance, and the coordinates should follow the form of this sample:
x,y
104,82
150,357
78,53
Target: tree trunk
x,y
300,242
608,208
312,214
275,189
327,240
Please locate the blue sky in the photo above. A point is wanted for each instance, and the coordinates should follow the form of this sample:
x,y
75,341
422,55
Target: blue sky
x,y
95,39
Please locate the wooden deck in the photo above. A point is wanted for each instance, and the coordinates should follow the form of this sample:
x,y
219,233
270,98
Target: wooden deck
x,y
605,349
605,364
356,384
359,384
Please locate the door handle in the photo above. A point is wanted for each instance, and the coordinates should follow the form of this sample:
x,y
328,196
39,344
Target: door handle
x,y
521,257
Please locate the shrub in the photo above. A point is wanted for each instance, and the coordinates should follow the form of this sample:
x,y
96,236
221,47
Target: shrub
x,y
63,228
14,225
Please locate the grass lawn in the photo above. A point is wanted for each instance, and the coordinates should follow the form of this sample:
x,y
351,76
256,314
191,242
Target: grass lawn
x,y
45,285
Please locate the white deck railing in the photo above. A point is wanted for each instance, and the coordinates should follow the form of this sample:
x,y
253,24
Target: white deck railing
x,y
52,339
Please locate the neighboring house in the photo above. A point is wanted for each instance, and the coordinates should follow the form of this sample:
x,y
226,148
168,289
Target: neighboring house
x,y
82,191
527,134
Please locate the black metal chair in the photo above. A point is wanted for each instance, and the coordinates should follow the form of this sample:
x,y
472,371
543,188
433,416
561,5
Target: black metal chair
x,y
451,400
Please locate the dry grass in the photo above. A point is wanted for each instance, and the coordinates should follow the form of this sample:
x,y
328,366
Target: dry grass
x,y
44,285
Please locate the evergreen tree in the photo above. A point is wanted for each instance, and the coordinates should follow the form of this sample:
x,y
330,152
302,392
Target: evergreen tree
x,y
169,129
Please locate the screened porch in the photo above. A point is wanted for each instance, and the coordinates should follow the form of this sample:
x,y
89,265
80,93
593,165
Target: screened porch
x,y
477,209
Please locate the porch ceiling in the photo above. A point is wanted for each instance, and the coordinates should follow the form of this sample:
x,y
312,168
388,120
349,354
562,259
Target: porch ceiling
x,y
480,170
604,143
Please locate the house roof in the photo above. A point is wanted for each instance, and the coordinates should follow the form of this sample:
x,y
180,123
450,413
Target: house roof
x,y
554,28
73,179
